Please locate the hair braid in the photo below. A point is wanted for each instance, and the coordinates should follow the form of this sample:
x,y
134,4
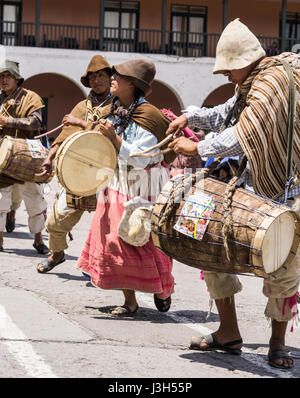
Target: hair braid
x,y
113,106
128,115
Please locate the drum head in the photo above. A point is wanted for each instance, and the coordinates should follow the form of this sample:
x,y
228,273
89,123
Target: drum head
x,y
86,162
278,241
5,145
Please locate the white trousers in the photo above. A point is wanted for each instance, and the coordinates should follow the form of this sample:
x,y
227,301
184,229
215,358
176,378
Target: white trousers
x,y
35,205
16,197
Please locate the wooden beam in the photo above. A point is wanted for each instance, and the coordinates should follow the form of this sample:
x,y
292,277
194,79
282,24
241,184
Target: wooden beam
x,y
37,22
225,13
163,25
283,25
101,26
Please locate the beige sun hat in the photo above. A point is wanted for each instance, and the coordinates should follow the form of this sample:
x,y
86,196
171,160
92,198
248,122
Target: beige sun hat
x,y
237,48
13,68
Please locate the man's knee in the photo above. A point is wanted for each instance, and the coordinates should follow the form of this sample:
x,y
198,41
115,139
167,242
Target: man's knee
x,y
221,285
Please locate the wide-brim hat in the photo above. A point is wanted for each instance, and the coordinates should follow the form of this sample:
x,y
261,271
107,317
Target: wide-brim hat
x,y
237,48
13,68
140,71
96,63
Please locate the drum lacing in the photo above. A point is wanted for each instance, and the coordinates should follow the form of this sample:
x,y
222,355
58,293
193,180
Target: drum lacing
x,y
178,189
227,229
185,185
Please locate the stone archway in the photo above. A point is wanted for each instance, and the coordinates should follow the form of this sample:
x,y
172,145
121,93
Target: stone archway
x,y
220,95
60,93
163,96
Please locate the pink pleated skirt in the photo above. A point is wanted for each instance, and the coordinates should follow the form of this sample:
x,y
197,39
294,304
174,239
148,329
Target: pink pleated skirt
x,y
114,264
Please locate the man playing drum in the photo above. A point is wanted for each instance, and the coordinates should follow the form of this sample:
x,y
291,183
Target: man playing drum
x,y
256,127
21,117
65,215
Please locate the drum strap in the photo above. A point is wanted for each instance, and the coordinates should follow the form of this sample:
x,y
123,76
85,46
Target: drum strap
x,y
291,114
290,128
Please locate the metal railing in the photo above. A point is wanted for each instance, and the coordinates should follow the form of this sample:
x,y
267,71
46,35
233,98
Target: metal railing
x,y
185,44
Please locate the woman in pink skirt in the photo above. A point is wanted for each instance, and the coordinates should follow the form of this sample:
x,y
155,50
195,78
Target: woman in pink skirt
x,y
133,125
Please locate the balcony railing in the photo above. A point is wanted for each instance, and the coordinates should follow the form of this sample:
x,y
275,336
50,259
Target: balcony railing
x,y
183,44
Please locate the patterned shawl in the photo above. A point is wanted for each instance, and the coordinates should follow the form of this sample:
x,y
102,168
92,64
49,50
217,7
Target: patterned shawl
x,y
151,119
262,125
21,103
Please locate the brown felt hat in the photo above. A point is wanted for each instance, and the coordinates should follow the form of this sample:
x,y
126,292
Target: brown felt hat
x,y
140,71
96,63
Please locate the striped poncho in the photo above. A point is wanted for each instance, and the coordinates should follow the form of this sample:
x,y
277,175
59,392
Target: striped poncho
x,y
262,126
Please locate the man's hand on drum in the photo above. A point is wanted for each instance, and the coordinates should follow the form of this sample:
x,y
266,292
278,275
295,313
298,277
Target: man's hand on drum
x,y
3,120
47,164
177,124
184,146
107,129
71,120
46,167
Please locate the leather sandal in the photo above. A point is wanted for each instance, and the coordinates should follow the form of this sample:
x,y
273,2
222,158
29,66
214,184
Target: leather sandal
x,y
124,310
213,345
163,305
273,355
49,265
41,248
10,225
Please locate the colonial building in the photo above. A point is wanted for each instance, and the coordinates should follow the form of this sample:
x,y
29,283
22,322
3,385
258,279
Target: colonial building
x,y
54,40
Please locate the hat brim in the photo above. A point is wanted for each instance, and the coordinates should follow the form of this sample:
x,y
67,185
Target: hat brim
x,y
85,79
140,84
18,77
222,64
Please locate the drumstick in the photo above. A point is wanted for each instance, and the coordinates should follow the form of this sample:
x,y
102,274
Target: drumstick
x,y
159,145
152,155
49,132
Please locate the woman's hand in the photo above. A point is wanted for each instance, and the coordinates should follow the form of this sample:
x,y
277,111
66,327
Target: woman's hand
x,y
107,129
184,146
179,123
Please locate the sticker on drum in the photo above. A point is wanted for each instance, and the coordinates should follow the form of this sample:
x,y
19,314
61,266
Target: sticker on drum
x,y
195,215
36,149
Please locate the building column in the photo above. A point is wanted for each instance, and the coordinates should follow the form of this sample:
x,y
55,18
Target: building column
x,y
101,32
163,26
225,13
283,25
37,22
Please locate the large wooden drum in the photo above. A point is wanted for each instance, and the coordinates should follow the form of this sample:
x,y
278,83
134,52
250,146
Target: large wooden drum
x,y
85,162
22,159
265,234
86,203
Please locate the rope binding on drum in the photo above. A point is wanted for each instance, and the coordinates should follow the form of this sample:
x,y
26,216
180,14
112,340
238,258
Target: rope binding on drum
x,y
227,229
178,190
